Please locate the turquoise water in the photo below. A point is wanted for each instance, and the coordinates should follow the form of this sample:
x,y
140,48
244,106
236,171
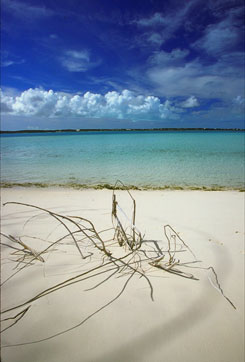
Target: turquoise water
x,y
151,159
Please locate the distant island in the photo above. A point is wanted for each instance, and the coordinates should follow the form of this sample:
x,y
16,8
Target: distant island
x,y
120,130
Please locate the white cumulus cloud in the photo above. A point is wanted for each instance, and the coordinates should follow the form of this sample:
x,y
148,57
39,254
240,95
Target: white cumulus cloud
x,y
119,105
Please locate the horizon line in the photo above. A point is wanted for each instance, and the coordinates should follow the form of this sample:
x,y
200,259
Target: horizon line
x,y
121,129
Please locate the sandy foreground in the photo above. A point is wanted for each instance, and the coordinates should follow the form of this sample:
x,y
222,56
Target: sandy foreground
x,y
189,320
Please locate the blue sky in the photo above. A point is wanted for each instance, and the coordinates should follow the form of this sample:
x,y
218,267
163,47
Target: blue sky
x,y
115,64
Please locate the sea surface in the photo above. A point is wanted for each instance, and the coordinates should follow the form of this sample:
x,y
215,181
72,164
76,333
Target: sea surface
x,y
144,159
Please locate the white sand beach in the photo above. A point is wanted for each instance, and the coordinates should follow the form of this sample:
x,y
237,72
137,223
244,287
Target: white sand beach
x,y
189,320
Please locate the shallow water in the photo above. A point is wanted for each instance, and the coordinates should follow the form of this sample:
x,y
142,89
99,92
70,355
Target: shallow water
x,y
177,159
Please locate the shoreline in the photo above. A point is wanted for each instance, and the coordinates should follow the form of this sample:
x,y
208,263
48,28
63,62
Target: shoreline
x,y
107,186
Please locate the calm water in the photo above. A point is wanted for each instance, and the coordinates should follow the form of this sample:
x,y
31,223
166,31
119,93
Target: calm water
x,y
150,159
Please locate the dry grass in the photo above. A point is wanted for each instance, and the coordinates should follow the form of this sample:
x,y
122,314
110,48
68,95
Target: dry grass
x,y
136,258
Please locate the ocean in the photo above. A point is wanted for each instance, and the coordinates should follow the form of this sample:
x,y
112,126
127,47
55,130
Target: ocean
x,y
142,159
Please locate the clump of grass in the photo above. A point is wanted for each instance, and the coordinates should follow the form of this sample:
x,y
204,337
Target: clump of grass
x,y
136,258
